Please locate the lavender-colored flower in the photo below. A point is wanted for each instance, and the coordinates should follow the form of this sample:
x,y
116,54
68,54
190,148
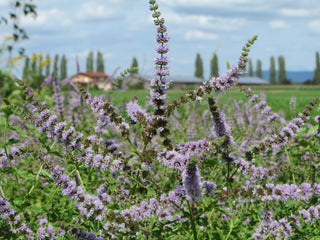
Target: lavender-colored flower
x,y
162,38
61,232
41,233
273,117
296,220
48,80
210,187
260,105
314,211
43,221
135,112
305,215
97,161
162,49
266,110
226,81
191,180
173,160
161,60
306,191
162,71
254,98
5,209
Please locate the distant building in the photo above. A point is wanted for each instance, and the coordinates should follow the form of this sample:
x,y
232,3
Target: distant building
x,y
246,80
180,82
177,82
100,79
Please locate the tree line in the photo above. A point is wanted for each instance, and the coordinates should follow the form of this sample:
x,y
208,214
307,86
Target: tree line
x,y
282,77
37,67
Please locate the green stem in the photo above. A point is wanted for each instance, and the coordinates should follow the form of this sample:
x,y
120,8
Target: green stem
x,y
6,150
80,179
52,196
289,161
2,193
36,180
193,225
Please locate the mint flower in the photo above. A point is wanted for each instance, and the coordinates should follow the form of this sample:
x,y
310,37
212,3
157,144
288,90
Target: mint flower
x,y
191,180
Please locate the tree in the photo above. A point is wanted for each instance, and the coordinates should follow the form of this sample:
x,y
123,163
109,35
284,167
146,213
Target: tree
x,y
48,61
316,76
282,78
90,62
55,65
19,8
272,73
63,68
214,66
199,67
26,67
100,62
35,76
259,70
40,66
134,65
250,71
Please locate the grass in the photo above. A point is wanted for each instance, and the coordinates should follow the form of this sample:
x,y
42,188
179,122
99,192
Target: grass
x,y
278,96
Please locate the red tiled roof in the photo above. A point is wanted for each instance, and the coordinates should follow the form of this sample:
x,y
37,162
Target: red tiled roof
x,y
94,74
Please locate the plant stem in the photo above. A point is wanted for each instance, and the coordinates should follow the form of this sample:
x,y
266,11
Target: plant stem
x,y
193,225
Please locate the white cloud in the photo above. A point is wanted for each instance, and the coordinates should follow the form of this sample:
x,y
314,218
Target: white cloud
x,y
4,2
206,22
291,12
84,54
278,24
314,26
205,2
199,35
48,18
89,11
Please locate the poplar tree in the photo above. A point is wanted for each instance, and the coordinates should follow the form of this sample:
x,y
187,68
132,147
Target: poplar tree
x,y
134,64
199,67
259,70
63,68
26,69
100,62
48,61
214,69
316,76
250,68
90,62
282,71
34,64
40,66
55,65
272,73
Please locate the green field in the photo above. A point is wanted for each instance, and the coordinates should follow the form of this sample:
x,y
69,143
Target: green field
x,y
278,96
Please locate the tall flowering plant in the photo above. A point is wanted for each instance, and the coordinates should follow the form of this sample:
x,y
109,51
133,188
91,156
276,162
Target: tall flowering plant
x,y
146,174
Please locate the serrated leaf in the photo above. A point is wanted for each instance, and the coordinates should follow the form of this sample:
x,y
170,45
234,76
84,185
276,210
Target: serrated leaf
x,y
3,120
12,141
18,130
25,174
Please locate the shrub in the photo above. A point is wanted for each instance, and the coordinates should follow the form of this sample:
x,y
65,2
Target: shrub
x,y
167,171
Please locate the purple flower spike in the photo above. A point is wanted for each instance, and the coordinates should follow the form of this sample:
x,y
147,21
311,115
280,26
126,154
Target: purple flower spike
x,y
192,183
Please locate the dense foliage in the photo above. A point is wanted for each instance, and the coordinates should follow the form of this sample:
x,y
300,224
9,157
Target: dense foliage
x,y
78,167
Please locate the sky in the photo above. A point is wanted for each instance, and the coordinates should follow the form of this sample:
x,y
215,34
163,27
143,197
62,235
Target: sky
x,y
123,29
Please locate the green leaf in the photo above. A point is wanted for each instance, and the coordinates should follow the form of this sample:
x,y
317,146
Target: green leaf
x,y
3,121
12,141
18,130
25,174
7,111
17,202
